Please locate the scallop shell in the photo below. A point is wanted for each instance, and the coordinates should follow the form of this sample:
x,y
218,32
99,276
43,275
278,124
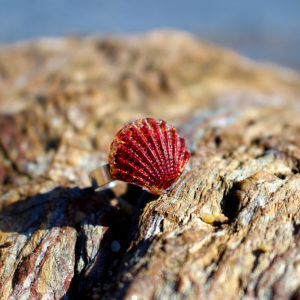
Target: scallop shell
x,y
148,153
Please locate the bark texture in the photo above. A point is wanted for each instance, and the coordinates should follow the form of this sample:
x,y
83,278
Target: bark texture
x,y
230,228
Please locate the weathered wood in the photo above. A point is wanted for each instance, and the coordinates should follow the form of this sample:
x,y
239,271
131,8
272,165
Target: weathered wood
x,y
230,227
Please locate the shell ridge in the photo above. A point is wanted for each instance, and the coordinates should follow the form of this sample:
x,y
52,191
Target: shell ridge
x,y
158,134
169,137
175,150
165,145
128,176
141,150
139,159
144,144
135,170
169,149
156,147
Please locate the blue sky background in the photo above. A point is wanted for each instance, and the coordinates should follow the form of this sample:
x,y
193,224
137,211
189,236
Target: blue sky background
x,y
263,30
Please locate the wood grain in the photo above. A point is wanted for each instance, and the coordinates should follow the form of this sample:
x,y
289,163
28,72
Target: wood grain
x,y
230,227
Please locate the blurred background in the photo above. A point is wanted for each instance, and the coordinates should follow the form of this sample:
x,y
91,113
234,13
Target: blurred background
x,y
263,30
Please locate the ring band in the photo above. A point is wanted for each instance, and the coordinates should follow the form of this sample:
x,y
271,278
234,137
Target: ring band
x,y
100,176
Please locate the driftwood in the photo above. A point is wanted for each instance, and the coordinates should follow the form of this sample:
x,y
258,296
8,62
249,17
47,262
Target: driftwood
x,y
230,227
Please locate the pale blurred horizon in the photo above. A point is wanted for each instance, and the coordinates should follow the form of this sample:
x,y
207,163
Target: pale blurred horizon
x,y
267,30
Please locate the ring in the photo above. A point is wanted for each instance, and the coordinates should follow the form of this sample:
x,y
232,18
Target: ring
x,y
100,176
146,152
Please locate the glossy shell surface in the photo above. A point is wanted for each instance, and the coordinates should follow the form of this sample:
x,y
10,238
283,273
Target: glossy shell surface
x,y
148,153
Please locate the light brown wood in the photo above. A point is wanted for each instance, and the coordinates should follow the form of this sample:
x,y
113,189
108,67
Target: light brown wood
x,y
230,227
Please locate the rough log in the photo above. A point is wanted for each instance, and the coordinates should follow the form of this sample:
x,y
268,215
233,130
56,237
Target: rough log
x,y
230,228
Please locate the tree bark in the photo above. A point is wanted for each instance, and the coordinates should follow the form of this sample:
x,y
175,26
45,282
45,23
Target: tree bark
x,y
229,229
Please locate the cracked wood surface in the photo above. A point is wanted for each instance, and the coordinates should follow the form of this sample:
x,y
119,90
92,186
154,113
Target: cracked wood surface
x,y
230,227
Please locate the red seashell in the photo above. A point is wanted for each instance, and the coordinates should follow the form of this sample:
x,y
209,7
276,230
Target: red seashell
x,y
148,153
